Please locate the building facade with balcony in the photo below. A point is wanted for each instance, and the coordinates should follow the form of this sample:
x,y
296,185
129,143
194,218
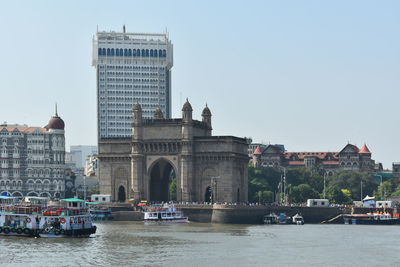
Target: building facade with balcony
x,y
32,159
349,158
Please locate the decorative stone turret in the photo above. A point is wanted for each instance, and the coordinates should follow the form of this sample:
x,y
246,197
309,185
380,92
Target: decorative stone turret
x,y
187,112
137,121
257,157
158,114
206,118
137,114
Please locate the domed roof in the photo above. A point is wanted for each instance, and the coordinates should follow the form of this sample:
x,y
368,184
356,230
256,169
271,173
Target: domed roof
x,y
56,123
137,106
206,111
187,106
364,150
257,151
158,114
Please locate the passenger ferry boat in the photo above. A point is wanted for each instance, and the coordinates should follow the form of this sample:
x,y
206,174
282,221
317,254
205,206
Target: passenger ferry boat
x,y
32,219
99,213
20,218
384,218
164,213
71,220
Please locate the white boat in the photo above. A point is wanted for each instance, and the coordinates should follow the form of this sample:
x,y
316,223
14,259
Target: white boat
x,y
298,219
164,213
271,218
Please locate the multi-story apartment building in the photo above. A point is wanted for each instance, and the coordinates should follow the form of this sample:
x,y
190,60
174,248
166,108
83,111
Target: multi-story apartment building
x,y
350,158
130,68
32,159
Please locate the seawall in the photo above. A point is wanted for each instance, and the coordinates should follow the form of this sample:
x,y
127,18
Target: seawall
x,y
254,215
238,214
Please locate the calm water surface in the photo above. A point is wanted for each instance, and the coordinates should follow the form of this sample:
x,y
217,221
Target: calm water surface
x,y
200,244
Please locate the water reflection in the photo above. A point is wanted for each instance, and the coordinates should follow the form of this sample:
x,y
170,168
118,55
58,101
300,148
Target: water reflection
x,y
136,244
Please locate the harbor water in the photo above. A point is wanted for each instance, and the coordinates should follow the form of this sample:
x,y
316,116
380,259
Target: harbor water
x,y
202,244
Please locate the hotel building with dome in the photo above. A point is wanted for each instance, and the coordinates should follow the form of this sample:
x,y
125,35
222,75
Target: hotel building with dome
x,y
32,159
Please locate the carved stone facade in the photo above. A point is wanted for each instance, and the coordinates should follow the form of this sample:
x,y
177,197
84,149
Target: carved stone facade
x,y
349,158
206,167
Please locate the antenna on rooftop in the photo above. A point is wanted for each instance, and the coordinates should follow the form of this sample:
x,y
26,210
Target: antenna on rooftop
x,y
123,29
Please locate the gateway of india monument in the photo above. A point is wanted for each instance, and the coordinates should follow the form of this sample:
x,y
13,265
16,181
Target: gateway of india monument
x,y
207,168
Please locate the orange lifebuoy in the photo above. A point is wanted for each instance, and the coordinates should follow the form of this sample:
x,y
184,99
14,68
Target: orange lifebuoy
x,y
28,220
62,220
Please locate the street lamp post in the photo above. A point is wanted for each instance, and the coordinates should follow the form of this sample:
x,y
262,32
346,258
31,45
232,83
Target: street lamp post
x,y
84,187
324,183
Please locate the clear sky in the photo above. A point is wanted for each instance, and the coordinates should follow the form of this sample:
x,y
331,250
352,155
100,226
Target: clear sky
x,y
312,75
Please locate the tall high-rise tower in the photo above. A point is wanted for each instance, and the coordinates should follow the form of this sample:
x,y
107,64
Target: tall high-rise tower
x,y
131,67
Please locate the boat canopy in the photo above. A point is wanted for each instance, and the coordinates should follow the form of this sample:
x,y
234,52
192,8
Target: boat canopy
x,y
368,198
72,200
6,197
92,203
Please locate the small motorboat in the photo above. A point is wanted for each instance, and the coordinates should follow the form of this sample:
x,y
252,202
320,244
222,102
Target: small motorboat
x,y
271,218
298,219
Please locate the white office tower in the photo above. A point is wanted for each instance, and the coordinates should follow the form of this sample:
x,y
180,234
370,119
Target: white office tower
x,y
130,67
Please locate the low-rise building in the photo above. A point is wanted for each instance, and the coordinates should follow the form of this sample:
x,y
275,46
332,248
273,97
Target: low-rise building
x,y
349,158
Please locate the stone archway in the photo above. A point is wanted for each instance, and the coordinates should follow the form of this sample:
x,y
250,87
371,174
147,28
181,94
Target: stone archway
x,y
121,194
160,175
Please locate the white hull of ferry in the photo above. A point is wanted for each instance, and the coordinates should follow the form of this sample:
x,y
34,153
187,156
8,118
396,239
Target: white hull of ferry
x,y
176,220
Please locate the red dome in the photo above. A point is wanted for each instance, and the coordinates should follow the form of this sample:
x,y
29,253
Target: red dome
x,y
56,123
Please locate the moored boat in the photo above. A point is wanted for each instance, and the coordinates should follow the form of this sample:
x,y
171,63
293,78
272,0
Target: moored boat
x,y
298,219
99,213
375,218
164,213
271,218
35,219
72,219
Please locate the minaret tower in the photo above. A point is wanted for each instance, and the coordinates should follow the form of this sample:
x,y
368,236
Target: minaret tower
x,y
206,118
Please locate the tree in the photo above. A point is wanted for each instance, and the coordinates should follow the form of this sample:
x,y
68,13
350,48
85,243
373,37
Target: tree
x,y
384,190
172,189
262,180
337,196
351,180
302,192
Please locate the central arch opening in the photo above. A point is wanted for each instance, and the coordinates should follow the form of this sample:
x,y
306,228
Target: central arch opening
x,y
162,182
